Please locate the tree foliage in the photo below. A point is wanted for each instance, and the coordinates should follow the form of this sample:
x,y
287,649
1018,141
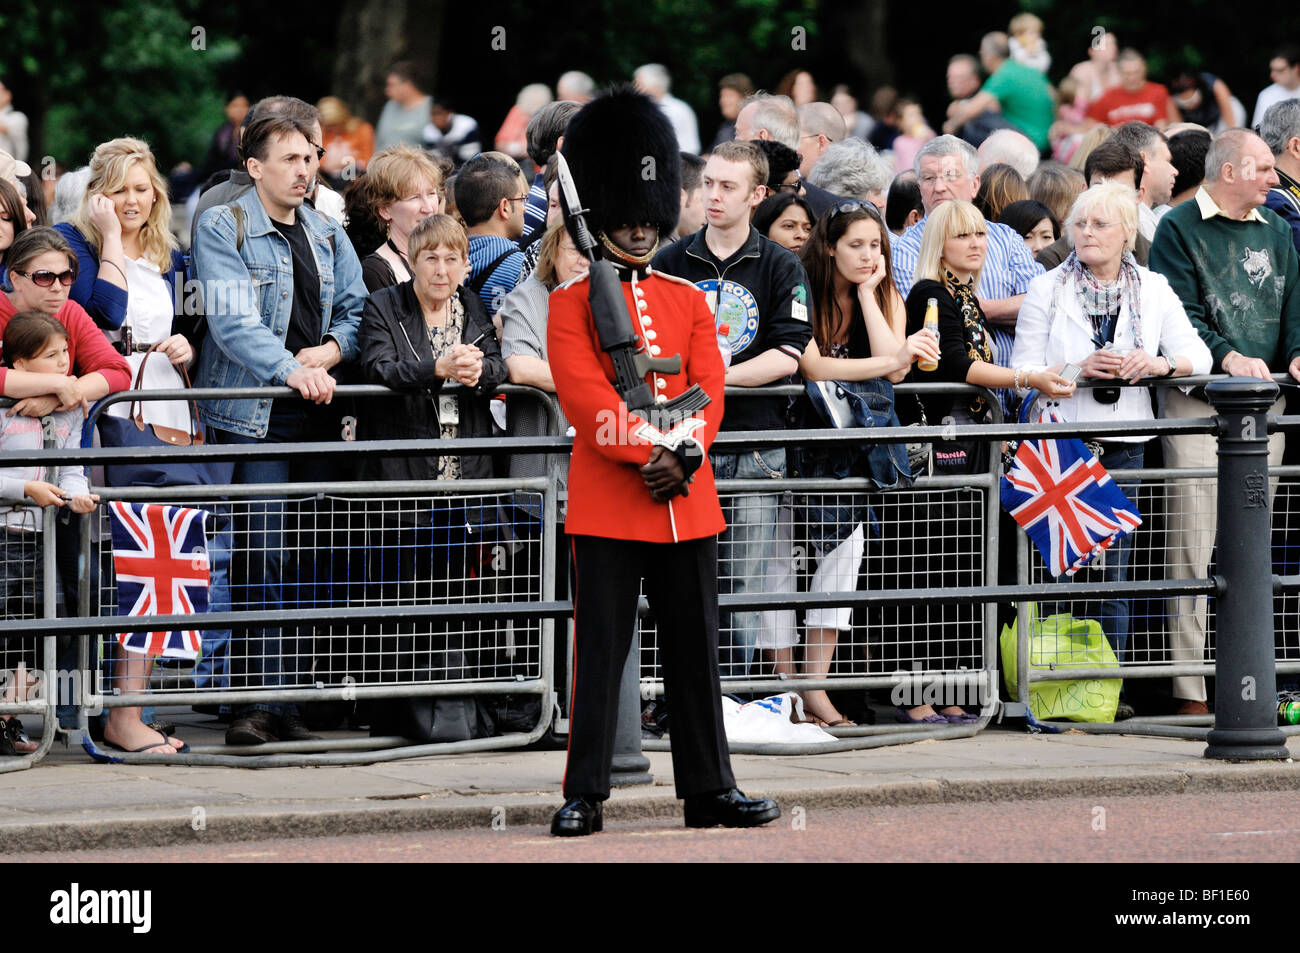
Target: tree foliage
x,y
89,73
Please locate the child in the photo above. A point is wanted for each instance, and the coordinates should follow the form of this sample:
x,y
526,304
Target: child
x,y
37,343
1027,44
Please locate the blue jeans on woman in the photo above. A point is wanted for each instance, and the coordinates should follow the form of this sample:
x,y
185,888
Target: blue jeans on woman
x,y
1112,565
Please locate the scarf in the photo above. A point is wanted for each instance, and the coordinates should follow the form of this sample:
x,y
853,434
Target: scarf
x,y
978,347
1100,301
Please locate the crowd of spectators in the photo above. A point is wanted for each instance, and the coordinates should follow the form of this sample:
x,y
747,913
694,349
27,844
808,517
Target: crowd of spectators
x,y
1112,222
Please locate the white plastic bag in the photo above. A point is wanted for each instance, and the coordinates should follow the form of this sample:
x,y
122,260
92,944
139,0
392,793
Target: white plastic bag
x,y
776,719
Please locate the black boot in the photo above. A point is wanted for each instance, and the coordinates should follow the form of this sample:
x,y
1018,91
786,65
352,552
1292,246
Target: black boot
x,y
729,809
580,815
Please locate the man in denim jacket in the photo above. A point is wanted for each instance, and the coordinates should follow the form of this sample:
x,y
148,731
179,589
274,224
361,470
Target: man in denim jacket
x,y
283,297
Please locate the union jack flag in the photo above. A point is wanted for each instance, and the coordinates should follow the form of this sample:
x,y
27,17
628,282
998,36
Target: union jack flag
x,y
1062,496
160,558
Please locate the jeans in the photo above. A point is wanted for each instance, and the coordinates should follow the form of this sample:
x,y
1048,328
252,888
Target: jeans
x,y
1111,565
212,670
747,554
273,654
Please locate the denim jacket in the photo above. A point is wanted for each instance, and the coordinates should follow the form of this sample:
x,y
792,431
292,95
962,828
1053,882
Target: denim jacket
x,y
248,295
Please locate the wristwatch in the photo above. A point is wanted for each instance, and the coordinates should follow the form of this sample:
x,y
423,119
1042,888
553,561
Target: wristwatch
x,y
1173,367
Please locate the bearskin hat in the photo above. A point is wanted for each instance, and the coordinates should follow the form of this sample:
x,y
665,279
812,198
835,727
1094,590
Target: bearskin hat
x,y
623,155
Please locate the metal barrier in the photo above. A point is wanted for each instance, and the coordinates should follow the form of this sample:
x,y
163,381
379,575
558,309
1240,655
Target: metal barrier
x,y
1157,574
350,556
908,630
923,556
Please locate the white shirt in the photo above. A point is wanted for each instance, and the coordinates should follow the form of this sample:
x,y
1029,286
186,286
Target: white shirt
x,y
149,314
1052,330
684,123
1147,221
1269,96
13,139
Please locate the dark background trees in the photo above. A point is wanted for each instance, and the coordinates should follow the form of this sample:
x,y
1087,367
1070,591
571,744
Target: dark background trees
x,y
162,68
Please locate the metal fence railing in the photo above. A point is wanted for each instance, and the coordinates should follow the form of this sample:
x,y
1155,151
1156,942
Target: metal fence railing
x,y
384,594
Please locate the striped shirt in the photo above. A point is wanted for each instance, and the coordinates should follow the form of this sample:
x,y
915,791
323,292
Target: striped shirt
x,y
483,250
535,207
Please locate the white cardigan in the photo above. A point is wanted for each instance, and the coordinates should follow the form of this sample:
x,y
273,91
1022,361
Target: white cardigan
x,y
1048,338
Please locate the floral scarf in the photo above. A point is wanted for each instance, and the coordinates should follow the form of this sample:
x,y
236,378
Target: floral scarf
x,y
978,347
1100,301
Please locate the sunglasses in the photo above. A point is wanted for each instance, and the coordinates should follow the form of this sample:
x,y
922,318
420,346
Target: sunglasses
x,y
44,279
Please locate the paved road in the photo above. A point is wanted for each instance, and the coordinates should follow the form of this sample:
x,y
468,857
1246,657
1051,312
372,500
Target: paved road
x,y
1185,828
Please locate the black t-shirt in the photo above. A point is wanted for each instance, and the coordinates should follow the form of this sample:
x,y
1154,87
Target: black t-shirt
x,y
305,317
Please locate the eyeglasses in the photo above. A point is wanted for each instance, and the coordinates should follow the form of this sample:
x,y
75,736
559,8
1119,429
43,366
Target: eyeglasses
x,y
846,207
1092,226
45,279
796,186
320,153
930,178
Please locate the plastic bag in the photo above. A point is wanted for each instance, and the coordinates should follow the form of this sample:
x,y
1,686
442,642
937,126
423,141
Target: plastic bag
x,y
770,720
1063,641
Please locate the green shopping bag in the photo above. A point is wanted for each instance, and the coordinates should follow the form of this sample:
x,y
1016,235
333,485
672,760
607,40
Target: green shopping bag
x,y
1064,641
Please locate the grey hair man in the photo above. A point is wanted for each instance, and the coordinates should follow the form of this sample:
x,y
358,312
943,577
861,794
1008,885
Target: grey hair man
x,y
1235,268
854,170
575,86
1280,130
653,80
1158,172
947,168
765,116
1009,147
820,126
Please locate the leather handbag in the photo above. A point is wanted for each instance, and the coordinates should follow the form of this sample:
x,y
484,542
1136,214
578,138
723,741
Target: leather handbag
x,y
132,431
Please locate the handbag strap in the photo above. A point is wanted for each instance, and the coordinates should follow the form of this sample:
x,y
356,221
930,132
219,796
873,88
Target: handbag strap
x,y
136,410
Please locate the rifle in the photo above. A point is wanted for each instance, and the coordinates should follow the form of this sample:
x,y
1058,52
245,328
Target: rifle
x,y
618,337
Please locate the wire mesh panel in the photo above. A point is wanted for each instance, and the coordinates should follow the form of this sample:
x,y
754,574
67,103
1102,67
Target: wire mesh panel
x,y
283,555
923,540
1286,562
1138,629
21,584
1176,541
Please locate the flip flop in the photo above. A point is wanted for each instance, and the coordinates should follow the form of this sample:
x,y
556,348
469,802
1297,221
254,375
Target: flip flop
x,y
167,740
842,723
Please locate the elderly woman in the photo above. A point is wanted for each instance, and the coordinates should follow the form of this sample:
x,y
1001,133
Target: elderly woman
x,y
947,272
402,187
853,169
1105,313
416,337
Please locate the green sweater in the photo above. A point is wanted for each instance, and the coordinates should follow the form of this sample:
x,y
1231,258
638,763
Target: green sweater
x,y
1237,280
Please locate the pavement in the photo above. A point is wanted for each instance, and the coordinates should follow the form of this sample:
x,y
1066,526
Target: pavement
x,y
66,802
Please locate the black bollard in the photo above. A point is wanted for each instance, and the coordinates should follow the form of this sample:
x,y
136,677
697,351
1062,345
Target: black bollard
x,y
630,767
1245,691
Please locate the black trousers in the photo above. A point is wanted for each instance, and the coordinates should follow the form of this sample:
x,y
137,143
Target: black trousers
x,y
682,587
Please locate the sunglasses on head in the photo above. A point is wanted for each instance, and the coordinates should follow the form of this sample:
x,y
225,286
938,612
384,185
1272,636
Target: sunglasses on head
x,y
44,279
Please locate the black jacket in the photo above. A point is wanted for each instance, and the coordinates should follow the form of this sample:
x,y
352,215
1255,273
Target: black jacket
x,y
762,294
387,358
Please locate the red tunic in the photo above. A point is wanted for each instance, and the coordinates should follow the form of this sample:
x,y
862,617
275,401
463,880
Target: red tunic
x,y
607,495
88,350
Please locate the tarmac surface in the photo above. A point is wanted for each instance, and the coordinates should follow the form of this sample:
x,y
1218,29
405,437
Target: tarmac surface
x,y
69,803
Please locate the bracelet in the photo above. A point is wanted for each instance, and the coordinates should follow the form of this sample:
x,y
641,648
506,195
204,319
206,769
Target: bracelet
x,y
1015,379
